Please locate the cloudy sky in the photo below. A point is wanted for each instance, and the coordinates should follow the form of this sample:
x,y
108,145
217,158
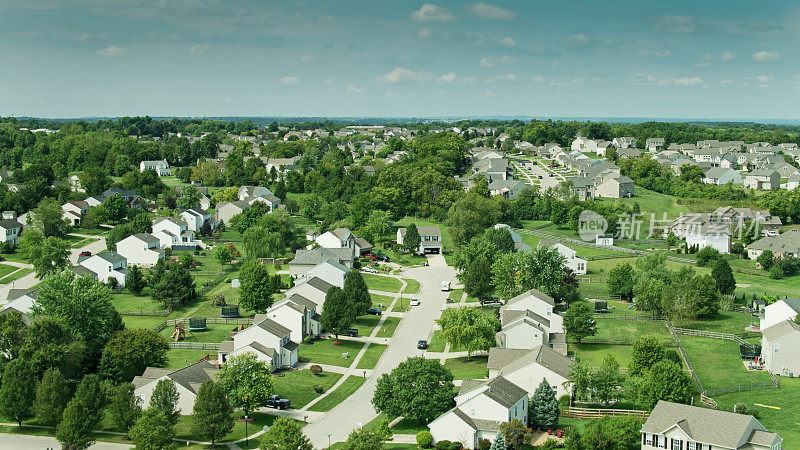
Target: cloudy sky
x,y
682,59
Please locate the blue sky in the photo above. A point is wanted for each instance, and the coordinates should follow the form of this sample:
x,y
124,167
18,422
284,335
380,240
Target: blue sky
x,y
690,59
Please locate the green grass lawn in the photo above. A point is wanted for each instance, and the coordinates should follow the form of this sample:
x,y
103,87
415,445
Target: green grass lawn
x,y
381,301
381,283
6,269
84,242
15,276
89,231
126,301
214,333
436,344
403,304
404,426
412,286
723,322
717,362
628,330
365,324
183,430
388,327
15,257
466,370
593,354
324,352
371,356
298,385
456,295
178,358
346,389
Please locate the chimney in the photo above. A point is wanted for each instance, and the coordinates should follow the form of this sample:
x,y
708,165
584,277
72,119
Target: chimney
x,y
9,215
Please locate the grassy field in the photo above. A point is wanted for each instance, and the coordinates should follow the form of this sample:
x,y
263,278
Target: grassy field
x,y
412,286
388,327
214,333
298,385
723,322
371,356
15,276
325,352
466,370
456,295
178,358
83,242
381,301
717,362
593,354
381,283
350,385
365,324
6,269
628,330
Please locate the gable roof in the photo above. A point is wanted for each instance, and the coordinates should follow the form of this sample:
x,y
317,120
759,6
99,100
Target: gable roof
x,y
190,377
273,328
498,389
531,293
321,254
788,241
780,330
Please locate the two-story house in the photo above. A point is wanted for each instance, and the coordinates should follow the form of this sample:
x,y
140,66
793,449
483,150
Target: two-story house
x,y
430,239
174,232
196,217
337,238
106,265
187,382
226,210
571,259
160,167
140,249
528,367
10,228
73,211
296,313
268,340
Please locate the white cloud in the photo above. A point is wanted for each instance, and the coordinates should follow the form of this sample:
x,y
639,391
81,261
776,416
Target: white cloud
x,y
726,82
507,77
290,80
424,33
485,62
353,89
448,77
328,80
727,56
469,80
689,81
677,24
651,80
400,74
199,49
576,40
432,13
568,81
537,79
507,42
112,50
306,59
765,56
508,59
646,52
764,78
486,11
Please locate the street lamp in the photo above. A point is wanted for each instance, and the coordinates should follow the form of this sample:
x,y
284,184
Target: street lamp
x,y
329,440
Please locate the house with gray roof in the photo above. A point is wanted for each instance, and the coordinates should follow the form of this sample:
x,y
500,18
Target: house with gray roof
x,y
20,300
430,239
528,367
140,249
722,176
780,348
224,211
684,427
615,187
105,266
784,244
306,259
763,179
187,382
267,339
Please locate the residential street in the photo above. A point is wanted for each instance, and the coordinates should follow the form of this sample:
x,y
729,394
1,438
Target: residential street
x,y
23,442
418,323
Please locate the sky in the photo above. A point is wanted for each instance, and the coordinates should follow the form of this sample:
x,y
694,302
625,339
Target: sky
x,y
713,59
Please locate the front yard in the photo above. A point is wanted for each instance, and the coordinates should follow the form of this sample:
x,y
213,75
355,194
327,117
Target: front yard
x,y
298,385
382,283
324,352
464,369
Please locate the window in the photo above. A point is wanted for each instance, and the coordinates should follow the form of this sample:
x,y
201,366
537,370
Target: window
x,y
677,444
691,445
647,439
777,347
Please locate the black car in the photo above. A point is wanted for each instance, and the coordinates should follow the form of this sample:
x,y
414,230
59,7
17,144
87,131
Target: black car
x,y
275,401
422,344
374,311
352,332
381,257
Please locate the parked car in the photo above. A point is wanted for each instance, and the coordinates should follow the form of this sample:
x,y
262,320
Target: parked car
x,y
414,302
445,285
422,344
369,269
275,401
85,253
383,258
352,332
374,311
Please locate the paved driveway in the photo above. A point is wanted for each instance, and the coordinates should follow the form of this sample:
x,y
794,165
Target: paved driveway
x,y
357,409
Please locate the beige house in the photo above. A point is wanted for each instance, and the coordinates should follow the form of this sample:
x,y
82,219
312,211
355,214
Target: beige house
x,y
187,381
615,187
528,367
780,348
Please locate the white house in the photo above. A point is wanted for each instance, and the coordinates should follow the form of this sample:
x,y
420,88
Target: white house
x,y
306,259
528,367
268,340
712,236
780,348
430,239
253,191
106,265
161,167
722,176
187,382
604,239
571,260
313,289
481,406
173,232
329,270
140,249
73,211
195,218
539,303
676,426
270,200
338,238
523,329
20,300
654,144
780,311
296,313
226,210
624,142
10,229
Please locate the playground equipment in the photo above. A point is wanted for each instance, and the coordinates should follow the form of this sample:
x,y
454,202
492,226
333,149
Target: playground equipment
x,y
748,352
229,312
181,333
237,329
600,306
219,300
197,324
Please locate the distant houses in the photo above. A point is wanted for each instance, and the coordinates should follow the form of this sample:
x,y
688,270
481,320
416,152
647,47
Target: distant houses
x,y
571,260
160,167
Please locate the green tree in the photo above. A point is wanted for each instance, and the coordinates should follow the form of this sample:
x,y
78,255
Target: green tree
x,y
52,396
212,416
12,334
172,286
114,209
607,380
48,218
134,280
165,399
499,443
152,431
646,352
82,415
190,198
285,434
379,224
480,186
707,256
765,259
356,291
671,239
621,280
94,180
515,273
255,288
515,434
130,352
246,381
579,321
468,328
543,409
18,391
384,431
419,389
411,239
613,433
46,254
124,407
478,279
223,254
580,380
337,311
666,381
361,439
259,242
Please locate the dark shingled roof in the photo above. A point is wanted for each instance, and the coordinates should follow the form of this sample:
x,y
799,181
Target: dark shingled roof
x,y
498,389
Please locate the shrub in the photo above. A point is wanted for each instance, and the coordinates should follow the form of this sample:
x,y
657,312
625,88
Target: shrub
x,y
564,401
443,445
484,444
315,368
424,439
775,272
318,389
307,340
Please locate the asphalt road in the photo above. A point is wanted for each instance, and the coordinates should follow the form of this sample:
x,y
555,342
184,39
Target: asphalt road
x,y
23,442
418,323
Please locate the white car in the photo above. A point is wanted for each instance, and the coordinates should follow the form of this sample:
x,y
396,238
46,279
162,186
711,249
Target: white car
x,y
414,302
369,270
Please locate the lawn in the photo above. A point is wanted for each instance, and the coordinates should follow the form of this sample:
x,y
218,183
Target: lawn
x,y
298,385
183,430
381,283
371,356
15,276
346,389
5,269
365,324
178,358
456,295
404,426
381,301
723,322
388,327
593,354
214,333
717,362
324,352
412,286
467,370
618,330
436,344
84,242
89,231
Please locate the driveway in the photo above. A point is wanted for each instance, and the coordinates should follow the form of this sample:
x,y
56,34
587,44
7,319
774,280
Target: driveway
x,y
418,323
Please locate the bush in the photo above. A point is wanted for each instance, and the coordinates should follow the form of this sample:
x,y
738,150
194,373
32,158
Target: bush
x,y
447,445
424,439
564,401
318,389
775,272
707,256
315,369
484,444
307,340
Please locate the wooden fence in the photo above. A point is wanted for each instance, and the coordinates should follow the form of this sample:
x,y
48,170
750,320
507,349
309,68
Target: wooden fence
x,y
740,388
738,338
194,345
644,317
596,413
209,320
145,312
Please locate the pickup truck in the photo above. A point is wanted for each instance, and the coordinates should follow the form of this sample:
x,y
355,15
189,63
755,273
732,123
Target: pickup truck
x,y
275,401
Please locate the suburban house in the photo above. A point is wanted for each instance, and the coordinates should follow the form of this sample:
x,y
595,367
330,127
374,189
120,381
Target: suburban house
x,y
430,238
722,176
338,238
624,142
20,300
270,200
770,225
615,187
306,259
581,187
571,260
187,382
779,311
160,167
298,314
140,249
363,246
481,406
174,233
226,210
253,191
604,239
779,344
329,270
528,367
785,244
519,246
766,179
493,168
509,189
676,426
654,144
528,321
106,265
195,218
703,230
74,211
10,228
268,340
132,199
314,289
